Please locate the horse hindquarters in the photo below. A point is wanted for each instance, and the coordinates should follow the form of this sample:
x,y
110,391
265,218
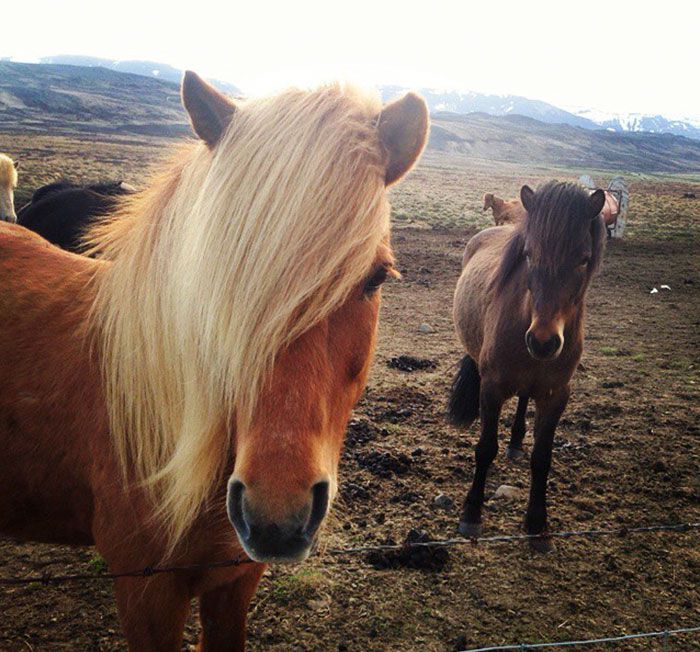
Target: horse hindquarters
x,y
463,407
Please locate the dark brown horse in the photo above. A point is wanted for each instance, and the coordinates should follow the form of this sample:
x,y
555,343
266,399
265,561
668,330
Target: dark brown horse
x,y
518,311
62,212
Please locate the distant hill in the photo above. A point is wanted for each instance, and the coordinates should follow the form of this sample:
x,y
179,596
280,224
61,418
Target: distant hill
x,y
523,140
65,99
455,102
154,69
73,100
503,105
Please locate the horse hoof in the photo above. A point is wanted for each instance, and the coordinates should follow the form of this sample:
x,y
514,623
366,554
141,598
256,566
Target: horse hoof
x,y
469,530
515,454
542,543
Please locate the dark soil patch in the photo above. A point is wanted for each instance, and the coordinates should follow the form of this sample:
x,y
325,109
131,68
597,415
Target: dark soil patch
x,y
410,363
430,558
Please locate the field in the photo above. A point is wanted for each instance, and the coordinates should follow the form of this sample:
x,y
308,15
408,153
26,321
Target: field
x,y
627,451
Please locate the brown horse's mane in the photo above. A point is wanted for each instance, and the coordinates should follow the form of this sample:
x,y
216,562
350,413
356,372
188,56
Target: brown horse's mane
x,y
558,217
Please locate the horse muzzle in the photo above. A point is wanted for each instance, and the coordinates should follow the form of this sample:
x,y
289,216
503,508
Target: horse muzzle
x,y
544,349
281,540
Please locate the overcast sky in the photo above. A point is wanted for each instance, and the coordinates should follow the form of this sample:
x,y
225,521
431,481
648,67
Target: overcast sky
x,y
612,56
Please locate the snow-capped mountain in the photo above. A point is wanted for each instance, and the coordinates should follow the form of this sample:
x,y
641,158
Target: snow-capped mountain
x,y
657,124
471,102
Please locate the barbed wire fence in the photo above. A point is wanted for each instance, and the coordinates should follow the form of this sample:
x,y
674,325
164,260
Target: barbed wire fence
x,y
664,635
621,532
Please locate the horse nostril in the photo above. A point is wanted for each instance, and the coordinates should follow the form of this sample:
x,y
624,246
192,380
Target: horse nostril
x,y
542,350
319,507
234,507
529,341
553,344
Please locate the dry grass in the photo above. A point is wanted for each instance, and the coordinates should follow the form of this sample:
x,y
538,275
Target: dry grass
x,y
624,453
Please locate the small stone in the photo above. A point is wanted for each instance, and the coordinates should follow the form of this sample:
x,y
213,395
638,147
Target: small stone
x,y
507,491
659,467
443,502
321,604
425,328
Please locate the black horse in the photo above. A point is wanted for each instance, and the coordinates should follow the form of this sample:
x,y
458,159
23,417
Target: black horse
x,y
61,211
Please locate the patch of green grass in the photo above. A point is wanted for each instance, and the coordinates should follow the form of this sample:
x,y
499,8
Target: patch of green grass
x,y
98,565
297,588
609,350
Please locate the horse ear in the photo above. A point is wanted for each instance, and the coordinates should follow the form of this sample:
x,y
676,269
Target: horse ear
x,y
403,129
210,111
488,200
527,198
595,203
16,165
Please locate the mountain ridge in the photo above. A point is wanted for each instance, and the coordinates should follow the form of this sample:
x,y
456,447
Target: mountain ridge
x,y
74,100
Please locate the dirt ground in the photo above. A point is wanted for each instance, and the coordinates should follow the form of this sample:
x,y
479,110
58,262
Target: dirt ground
x,y
626,453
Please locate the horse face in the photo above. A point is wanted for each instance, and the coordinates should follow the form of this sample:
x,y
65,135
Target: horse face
x,y
8,177
7,205
555,299
285,473
560,265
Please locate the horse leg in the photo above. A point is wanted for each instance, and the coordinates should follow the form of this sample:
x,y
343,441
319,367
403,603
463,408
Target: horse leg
x,y
515,451
548,411
223,612
490,403
152,612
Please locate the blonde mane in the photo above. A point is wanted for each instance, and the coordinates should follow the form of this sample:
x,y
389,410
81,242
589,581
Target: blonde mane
x,y
229,257
8,173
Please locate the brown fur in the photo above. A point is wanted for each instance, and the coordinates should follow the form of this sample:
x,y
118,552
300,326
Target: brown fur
x,y
501,297
505,211
63,480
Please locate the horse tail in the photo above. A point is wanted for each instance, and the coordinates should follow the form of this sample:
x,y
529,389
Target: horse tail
x,y
463,407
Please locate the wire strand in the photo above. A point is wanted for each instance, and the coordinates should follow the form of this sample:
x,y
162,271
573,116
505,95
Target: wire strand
x,y
588,641
148,571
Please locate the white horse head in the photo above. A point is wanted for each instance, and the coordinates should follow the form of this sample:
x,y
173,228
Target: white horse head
x,y
8,183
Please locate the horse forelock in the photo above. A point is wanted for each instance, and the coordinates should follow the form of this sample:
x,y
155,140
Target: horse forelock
x,y
557,226
229,257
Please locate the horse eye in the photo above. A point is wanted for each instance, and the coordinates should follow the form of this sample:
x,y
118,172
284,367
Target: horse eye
x,y
374,282
584,261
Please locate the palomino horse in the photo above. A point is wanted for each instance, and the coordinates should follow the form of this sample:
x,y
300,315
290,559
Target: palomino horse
x,y
207,364
8,183
62,212
518,311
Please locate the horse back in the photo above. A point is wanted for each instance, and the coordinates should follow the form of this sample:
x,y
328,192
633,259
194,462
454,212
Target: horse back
x,y
473,295
63,214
